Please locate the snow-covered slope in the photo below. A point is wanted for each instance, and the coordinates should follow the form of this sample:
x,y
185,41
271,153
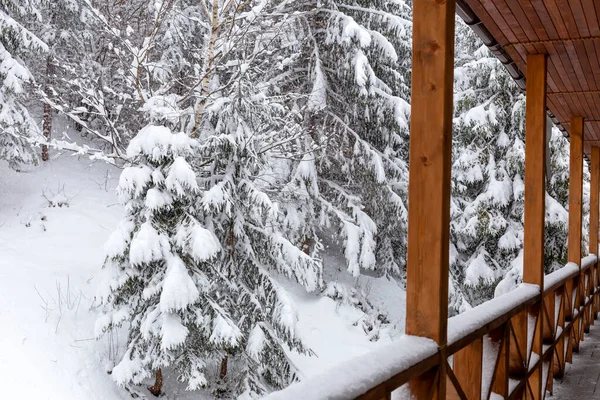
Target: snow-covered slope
x,y
50,257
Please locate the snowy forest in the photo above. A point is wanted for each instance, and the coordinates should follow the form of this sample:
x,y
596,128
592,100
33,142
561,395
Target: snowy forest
x,y
207,199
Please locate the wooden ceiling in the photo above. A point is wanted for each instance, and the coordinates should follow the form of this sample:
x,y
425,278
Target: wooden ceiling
x,y
568,31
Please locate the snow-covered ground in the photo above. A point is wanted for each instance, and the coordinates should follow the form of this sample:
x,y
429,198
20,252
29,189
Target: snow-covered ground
x,y
50,256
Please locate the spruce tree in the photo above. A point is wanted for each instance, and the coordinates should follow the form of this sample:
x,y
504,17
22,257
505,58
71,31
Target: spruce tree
x,y
211,209
18,130
358,68
487,180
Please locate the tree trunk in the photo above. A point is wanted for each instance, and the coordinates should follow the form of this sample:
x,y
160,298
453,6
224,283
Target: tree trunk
x,y
223,372
210,59
47,119
158,382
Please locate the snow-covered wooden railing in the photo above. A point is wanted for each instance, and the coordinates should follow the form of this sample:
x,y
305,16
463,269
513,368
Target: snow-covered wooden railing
x,y
492,350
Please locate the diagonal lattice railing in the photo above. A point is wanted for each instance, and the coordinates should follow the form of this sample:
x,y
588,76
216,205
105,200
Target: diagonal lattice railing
x,y
490,351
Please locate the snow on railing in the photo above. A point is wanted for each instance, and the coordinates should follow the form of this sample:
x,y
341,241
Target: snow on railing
x,y
568,271
354,377
588,260
394,364
560,275
485,313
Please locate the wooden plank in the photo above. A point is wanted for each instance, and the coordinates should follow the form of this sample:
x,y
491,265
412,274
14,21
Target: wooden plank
x,y
468,364
583,65
503,25
430,165
536,380
535,196
575,189
575,214
567,16
559,351
488,21
594,201
500,379
592,53
594,223
589,12
535,150
427,368
579,18
559,354
570,73
520,17
589,98
544,15
557,19
534,18
555,67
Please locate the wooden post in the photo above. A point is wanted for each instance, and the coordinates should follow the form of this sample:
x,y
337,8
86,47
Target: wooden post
x,y
535,200
575,213
594,221
575,189
429,182
594,200
535,170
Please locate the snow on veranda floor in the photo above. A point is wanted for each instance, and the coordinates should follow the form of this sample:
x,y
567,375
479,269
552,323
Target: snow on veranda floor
x,y
49,259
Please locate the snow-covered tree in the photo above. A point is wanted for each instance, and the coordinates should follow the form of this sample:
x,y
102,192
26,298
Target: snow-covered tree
x,y
488,168
487,179
18,130
359,70
212,208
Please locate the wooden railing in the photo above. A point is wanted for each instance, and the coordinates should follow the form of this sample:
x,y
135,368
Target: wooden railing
x,y
510,347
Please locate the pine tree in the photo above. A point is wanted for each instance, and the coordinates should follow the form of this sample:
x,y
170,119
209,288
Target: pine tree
x,y
487,177
359,61
18,130
487,171
210,209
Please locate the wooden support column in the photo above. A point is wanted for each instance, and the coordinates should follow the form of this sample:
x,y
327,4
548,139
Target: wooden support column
x,y
594,199
535,170
429,182
594,221
535,200
575,189
575,222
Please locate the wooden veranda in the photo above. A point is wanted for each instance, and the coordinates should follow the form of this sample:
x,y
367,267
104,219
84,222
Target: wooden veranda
x,y
517,345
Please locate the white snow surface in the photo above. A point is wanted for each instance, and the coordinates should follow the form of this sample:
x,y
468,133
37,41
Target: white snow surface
x,y
49,352
48,348
560,275
179,290
588,260
354,377
475,318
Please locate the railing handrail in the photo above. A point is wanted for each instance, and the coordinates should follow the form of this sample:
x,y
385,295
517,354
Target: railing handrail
x,y
374,367
392,365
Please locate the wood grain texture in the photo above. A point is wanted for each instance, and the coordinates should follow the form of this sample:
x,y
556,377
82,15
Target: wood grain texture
x,y
569,32
575,189
468,364
594,203
430,165
535,154
431,135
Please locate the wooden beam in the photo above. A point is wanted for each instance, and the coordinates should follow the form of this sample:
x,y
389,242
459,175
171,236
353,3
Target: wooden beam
x,y
429,180
575,189
594,217
535,201
468,365
535,170
594,203
575,214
